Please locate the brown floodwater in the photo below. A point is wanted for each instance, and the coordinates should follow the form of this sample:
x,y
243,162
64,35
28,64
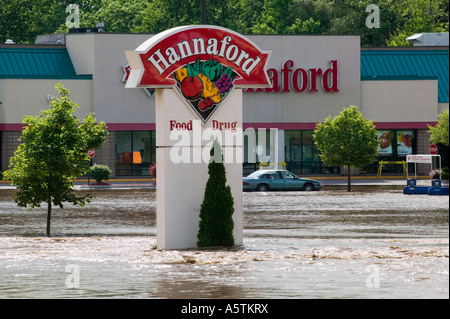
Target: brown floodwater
x,y
328,244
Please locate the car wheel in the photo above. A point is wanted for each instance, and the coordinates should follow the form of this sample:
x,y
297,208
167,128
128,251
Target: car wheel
x,y
262,188
308,187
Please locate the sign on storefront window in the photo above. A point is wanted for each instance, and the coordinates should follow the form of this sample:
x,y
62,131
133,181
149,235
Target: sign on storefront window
x,y
385,142
404,142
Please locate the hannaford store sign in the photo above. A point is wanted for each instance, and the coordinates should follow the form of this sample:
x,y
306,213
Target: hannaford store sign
x,y
201,67
215,60
168,51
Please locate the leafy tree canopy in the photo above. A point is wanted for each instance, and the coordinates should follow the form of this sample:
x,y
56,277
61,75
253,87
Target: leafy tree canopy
x,y
23,20
348,140
440,132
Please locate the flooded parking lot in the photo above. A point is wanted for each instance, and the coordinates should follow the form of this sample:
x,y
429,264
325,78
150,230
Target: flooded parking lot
x,y
328,244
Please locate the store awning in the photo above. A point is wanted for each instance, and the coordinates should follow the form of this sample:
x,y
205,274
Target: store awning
x,y
407,64
26,62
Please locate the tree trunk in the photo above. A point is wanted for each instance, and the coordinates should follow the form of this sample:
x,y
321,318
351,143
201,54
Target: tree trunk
x,y
349,182
49,215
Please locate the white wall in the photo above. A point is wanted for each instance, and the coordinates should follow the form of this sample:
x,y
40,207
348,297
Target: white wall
x,y
29,97
103,54
442,107
307,52
400,101
181,183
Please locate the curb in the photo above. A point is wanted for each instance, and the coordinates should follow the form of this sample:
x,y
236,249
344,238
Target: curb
x,y
116,186
363,187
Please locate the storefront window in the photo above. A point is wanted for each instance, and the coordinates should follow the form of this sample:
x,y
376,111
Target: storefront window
x,y
404,142
310,151
393,146
395,143
385,142
302,155
258,147
135,151
293,144
265,151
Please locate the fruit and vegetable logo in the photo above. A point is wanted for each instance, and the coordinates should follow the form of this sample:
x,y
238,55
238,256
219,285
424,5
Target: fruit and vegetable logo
x,y
204,85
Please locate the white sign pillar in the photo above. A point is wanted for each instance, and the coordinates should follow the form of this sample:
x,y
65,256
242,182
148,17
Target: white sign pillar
x,y
182,177
198,73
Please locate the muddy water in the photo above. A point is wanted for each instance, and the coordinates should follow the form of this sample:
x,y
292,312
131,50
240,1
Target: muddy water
x,y
296,245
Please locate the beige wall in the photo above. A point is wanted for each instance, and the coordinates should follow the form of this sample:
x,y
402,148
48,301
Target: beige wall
x,y
442,107
307,52
81,48
400,101
28,97
103,55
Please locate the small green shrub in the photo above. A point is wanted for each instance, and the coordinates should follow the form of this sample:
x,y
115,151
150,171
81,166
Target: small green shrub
x,y
216,212
100,172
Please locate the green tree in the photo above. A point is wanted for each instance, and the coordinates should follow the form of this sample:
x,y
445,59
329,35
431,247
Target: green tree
x,y
160,15
349,17
23,20
348,140
439,133
276,17
216,213
117,15
417,16
53,153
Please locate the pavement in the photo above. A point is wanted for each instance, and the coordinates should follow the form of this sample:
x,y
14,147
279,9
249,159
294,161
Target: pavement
x,y
328,182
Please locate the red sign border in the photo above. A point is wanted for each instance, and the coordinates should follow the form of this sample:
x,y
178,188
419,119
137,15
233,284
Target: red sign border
x,y
141,77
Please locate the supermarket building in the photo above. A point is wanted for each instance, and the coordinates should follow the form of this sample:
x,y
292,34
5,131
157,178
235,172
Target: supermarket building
x,y
402,89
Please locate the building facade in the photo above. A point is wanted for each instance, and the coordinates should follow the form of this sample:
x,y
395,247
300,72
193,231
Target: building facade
x,y
401,89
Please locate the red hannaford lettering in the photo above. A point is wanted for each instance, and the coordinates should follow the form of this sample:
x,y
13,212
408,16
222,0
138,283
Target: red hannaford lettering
x,y
200,46
301,80
153,63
